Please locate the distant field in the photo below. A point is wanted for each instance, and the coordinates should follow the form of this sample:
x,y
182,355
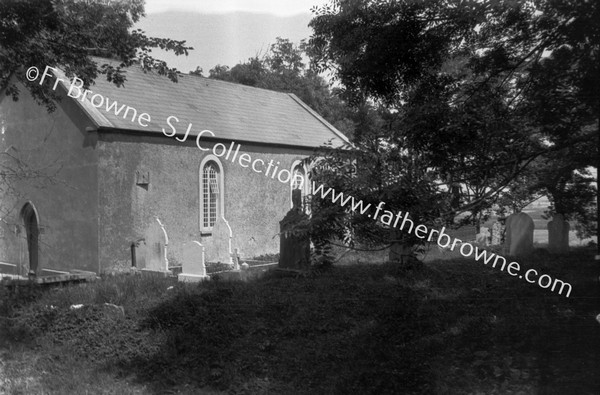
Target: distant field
x,y
541,226
535,213
540,234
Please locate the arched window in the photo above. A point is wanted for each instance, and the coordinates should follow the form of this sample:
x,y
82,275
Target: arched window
x,y
299,181
211,193
299,178
210,190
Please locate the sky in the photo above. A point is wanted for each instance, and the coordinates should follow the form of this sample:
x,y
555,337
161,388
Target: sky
x,y
276,7
220,34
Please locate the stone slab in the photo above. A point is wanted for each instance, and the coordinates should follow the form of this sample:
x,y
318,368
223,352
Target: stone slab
x,y
519,235
464,233
156,242
217,244
193,259
483,237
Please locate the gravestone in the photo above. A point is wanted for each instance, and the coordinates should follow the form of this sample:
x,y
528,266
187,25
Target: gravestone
x,y
558,235
483,237
156,247
294,249
498,232
193,268
465,233
235,259
245,271
217,245
519,235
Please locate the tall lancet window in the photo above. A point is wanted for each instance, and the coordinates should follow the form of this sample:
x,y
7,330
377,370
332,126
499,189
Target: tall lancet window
x,y
211,194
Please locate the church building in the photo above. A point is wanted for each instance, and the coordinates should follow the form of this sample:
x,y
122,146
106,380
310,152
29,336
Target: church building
x,y
111,162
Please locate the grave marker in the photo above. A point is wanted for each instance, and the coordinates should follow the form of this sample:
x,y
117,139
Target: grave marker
x,y
558,235
483,237
498,232
519,234
294,249
218,244
466,233
156,248
193,267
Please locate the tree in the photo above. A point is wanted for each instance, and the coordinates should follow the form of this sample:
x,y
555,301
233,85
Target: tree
x,y
282,69
564,110
465,80
67,34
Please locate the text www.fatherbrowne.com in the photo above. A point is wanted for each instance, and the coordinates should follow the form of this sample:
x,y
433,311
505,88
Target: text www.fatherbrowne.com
x,y
76,91
443,240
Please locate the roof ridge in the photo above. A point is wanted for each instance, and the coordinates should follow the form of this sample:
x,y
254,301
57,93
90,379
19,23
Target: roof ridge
x,y
182,74
235,111
239,84
218,81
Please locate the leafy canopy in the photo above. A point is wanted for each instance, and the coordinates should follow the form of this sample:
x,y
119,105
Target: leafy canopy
x,y
67,34
283,69
468,95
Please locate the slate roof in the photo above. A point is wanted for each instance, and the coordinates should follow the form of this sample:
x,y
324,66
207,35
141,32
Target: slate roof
x,y
231,111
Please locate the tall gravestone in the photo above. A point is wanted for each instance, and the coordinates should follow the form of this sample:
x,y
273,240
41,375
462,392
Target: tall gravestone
x,y
497,234
193,268
294,249
558,235
155,250
519,234
218,243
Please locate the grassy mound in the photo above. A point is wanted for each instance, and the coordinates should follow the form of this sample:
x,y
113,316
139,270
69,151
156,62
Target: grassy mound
x,y
447,327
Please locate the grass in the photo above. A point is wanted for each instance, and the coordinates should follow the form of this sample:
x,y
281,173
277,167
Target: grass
x,y
451,326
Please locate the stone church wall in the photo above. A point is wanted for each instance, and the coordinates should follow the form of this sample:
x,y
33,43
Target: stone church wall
x,y
65,196
253,203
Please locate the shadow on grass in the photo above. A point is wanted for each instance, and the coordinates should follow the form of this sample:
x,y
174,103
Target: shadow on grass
x,y
454,326
330,334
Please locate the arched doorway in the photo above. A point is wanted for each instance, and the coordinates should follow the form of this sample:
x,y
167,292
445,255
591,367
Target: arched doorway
x,y
32,231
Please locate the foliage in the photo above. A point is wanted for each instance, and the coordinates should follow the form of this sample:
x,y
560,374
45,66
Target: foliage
x,y
567,113
472,94
370,172
321,256
282,69
66,34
